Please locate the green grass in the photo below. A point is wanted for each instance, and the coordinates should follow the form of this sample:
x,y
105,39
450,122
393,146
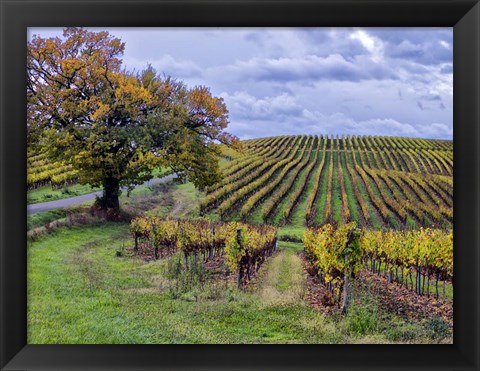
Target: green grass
x,y
164,199
283,281
292,231
80,291
40,219
255,216
292,246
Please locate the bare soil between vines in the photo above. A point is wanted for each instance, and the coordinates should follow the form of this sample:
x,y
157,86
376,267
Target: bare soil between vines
x,y
392,297
403,301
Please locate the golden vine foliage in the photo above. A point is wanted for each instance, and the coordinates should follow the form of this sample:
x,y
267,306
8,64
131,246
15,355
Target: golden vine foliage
x,y
428,249
333,250
200,236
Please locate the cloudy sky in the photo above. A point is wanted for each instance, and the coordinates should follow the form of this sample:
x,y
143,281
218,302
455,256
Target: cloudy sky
x,y
276,81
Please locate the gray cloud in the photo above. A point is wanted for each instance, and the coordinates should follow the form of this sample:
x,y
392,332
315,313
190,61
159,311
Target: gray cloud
x,y
246,106
168,65
275,81
282,114
309,68
447,69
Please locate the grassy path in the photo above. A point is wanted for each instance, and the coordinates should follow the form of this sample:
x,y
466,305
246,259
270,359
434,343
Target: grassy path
x,y
283,280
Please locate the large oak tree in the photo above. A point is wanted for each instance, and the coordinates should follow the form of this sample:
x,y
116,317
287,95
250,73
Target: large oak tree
x,y
116,126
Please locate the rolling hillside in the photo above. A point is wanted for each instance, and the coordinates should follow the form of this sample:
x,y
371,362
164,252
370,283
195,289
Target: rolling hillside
x,y
380,182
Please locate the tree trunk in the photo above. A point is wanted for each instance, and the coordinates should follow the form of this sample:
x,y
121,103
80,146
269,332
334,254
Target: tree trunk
x,y
111,191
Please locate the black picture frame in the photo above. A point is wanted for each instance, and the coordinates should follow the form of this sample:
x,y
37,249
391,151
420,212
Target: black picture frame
x,y
17,16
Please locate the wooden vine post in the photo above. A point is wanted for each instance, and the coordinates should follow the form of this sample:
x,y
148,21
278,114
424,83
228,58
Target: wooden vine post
x,y
347,274
155,245
419,279
210,250
240,267
136,242
346,286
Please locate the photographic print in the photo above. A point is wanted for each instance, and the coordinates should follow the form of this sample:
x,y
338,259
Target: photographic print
x,y
240,185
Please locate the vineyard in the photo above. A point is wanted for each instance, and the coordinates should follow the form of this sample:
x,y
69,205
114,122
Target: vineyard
x,y
378,182
377,204
43,172
336,254
358,225
245,247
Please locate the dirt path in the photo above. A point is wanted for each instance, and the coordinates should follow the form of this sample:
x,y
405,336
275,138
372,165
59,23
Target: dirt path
x,y
77,200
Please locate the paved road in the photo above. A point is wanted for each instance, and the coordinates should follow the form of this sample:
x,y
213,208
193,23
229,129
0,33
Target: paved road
x,y
67,202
